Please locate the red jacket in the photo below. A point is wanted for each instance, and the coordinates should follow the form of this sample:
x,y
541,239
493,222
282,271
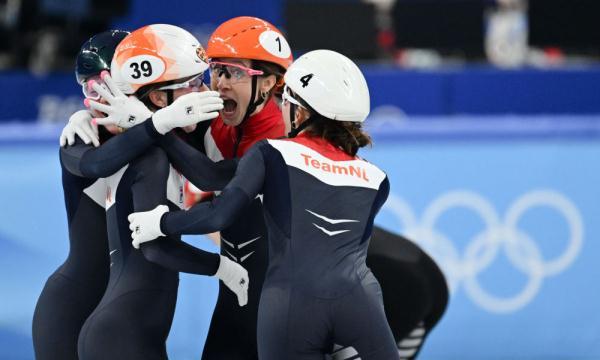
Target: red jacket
x,y
267,124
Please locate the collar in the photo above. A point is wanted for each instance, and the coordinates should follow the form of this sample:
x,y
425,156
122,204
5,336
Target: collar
x,y
322,146
266,124
256,125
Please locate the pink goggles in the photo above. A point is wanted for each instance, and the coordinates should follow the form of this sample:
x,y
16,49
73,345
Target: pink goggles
x,y
87,89
233,72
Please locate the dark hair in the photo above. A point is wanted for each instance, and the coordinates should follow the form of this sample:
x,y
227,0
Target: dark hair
x,y
149,104
270,68
347,135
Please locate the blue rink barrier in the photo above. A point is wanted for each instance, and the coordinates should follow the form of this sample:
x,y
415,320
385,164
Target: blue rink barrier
x,y
512,221
474,90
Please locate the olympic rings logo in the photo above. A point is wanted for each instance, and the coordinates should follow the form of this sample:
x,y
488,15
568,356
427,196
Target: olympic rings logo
x,y
518,246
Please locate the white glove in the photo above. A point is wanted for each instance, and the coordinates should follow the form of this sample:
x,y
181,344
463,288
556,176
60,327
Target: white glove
x,y
121,110
187,110
145,225
235,277
80,124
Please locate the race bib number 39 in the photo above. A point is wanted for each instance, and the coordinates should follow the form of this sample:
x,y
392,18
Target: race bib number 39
x,y
142,69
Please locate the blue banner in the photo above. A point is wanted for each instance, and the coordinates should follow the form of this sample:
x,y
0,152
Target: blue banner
x,y
444,92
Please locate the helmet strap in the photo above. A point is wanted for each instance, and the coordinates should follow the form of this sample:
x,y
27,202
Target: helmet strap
x,y
252,105
249,110
292,132
169,96
296,130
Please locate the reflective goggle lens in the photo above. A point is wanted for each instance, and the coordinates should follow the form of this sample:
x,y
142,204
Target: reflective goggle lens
x,y
287,96
233,72
88,91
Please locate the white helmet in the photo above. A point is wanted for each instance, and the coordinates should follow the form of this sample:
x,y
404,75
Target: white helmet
x,y
331,84
157,54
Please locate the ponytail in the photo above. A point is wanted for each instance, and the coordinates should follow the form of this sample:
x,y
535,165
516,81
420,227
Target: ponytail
x,y
348,136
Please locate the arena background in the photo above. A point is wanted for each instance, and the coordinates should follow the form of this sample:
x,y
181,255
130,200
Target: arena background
x,y
493,156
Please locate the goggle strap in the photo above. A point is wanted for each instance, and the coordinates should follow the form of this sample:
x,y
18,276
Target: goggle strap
x,y
247,70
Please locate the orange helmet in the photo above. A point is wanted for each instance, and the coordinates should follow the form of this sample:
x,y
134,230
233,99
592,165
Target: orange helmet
x,y
247,37
156,54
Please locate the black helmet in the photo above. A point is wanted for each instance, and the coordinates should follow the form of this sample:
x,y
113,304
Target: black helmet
x,y
97,53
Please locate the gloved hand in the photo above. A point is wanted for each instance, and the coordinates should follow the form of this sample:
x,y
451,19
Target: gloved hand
x,y
187,110
145,225
235,277
80,124
121,110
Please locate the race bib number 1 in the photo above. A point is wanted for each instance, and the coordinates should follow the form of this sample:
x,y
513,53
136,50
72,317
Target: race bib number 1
x,y
275,44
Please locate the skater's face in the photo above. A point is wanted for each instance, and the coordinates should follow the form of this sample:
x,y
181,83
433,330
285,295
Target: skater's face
x,y
300,114
159,97
92,94
232,78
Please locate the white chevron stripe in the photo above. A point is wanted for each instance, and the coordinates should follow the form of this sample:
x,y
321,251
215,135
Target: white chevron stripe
x,y
175,185
97,192
112,184
344,353
211,148
245,256
417,332
231,256
112,252
227,242
407,343
331,221
330,233
248,242
406,353
409,346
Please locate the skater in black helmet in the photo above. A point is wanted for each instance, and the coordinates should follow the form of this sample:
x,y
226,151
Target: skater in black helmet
x,y
72,292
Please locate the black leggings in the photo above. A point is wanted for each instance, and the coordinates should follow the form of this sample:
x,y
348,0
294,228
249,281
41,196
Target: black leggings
x,y
61,310
294,325
133,326
232,332
415,293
